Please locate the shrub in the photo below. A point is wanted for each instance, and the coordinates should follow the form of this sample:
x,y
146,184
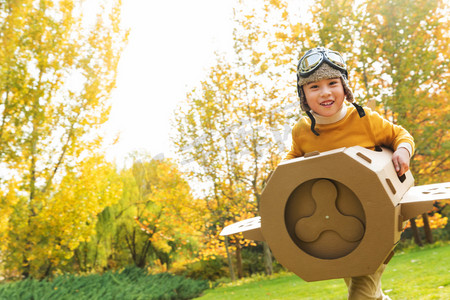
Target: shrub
x,y
211,269
253,261
130,283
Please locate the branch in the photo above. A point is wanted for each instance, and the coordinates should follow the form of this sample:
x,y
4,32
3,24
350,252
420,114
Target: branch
x,y
61,157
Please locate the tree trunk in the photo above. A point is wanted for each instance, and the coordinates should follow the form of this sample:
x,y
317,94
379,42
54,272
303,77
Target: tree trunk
x,y
26,268
240,269
230,265
415,232
267,259
426,227
48,270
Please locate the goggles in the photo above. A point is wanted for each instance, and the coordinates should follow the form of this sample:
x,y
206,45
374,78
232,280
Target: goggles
x,y
315,57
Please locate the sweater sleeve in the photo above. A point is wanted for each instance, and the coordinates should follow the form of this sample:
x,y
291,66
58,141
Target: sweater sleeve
x,y
388,134
295,148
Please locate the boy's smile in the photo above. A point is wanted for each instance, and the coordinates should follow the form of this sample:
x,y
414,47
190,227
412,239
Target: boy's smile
x,y
325,97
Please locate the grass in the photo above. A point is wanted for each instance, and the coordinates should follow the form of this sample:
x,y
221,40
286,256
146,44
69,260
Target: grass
x,y
421,273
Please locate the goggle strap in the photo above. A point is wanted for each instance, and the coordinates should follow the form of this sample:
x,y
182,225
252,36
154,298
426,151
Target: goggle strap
x,y
313,123
360,110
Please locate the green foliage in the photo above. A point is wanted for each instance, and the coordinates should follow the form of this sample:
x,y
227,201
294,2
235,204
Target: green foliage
x,y
216,269
130,283
253,261
207,269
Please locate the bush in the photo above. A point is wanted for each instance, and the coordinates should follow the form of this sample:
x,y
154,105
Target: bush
x,y
131,283
217,269
407,237
211,269
253,261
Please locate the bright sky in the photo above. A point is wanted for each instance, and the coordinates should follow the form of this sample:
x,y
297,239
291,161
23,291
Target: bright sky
x,y
170,47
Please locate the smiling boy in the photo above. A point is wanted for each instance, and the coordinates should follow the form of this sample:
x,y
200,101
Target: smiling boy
x,y
331,123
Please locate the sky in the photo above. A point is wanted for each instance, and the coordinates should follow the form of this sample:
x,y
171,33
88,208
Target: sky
x,y
170,47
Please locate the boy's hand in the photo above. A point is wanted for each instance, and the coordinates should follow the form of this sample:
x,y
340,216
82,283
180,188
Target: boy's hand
x,y
401,158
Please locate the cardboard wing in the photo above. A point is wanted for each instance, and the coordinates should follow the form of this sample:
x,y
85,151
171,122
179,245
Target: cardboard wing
x,y
419,199
251,229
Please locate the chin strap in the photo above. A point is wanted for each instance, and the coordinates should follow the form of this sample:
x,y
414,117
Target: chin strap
x,y
359,109
313,123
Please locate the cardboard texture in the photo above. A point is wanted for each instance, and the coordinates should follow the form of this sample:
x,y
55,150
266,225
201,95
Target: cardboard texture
x,y
338,213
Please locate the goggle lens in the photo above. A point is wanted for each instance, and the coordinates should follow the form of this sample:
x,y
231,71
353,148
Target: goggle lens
x,y
310,62
335,58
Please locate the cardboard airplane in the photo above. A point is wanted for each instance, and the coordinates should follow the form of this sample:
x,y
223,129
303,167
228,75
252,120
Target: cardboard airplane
x,y
338,213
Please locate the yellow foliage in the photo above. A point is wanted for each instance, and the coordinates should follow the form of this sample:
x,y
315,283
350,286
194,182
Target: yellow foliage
x,y
49,141
436,221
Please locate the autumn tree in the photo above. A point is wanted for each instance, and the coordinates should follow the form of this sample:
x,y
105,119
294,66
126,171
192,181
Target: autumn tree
x,y
104,249
232,131
171,219
205,137
58,69
410,45
157,218
156,222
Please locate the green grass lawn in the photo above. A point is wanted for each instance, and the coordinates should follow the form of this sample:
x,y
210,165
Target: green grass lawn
x,y
416,274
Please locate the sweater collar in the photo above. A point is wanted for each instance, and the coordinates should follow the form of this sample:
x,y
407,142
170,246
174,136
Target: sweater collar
x,y
332,119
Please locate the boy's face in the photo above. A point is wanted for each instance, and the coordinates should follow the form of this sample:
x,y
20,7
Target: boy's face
x,y
325,97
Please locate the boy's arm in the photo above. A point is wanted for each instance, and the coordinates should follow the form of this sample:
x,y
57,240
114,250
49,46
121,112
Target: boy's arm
x,y
295,147
294,152
390,135
401,158
395,137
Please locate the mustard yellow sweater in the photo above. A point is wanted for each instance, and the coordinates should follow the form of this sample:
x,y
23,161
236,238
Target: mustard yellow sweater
x,y
349,130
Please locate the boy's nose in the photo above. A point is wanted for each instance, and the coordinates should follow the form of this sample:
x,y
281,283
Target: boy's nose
x,y
325,91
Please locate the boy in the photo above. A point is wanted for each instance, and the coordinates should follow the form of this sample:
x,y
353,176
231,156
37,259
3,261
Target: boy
x,y
322,87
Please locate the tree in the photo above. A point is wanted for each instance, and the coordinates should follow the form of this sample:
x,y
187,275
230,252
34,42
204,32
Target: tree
x,y
204,126
405,51
171,218
155,222
228,132
65,220
57,73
